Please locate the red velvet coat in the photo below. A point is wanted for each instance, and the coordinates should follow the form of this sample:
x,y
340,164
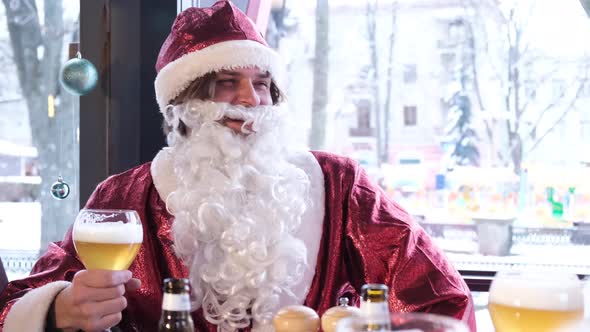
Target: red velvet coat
x,y
366,238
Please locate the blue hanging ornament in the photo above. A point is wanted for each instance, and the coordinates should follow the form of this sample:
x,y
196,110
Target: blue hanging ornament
x,y
78,76
60,189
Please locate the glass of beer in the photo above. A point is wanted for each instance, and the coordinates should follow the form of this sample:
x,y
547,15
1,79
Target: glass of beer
x,y
107,239
535,301
403,322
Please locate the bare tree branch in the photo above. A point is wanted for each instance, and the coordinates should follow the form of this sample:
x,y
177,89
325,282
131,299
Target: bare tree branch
x,y
389,77
569,107
480,18
374,77
474,73
525,20
554,103
320,76
540,81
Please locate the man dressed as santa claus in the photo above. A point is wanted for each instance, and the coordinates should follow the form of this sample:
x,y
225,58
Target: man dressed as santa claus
x,y
254,222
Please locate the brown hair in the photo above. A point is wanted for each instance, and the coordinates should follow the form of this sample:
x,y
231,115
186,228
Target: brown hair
x,y
204,88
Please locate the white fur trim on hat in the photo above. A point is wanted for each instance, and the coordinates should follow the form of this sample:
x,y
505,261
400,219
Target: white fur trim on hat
x,y
178,74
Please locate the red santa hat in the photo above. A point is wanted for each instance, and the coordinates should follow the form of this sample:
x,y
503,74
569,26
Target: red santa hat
x,y
205,40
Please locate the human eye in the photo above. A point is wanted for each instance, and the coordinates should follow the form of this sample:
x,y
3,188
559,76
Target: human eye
x,y
262,84
227,82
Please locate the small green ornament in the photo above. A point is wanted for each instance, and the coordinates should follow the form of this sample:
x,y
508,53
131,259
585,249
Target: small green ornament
x,y
60,189
78,76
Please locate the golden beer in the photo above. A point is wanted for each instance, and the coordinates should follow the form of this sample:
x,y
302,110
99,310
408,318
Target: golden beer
x,y
107,246
510,318
107,256
535,303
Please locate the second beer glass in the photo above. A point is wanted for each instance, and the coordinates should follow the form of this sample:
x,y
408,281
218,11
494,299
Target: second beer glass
x,y
535,301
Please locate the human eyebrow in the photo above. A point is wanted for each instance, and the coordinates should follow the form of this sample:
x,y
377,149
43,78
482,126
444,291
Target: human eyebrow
x,y
263,75
229,73
266,74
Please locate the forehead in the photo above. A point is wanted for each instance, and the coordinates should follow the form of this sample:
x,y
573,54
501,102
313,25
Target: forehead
x,y
251,72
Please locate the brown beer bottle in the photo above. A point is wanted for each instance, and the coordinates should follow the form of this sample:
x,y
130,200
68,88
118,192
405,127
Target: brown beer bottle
x,y
176,307
375,307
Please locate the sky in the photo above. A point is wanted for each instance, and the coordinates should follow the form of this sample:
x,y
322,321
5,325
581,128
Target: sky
x,y
561,27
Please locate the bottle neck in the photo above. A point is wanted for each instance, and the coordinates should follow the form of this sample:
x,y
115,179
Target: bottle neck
x,y
374,309
175,315
376,314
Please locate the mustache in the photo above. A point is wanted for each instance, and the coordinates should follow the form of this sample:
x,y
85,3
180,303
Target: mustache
x,y
202,118
195,113
240,114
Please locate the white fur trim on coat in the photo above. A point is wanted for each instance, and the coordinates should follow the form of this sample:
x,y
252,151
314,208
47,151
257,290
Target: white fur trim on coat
x,y
30,312
178,74
162,170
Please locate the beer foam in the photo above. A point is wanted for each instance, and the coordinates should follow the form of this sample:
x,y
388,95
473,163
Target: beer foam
x,y
544,292
111,232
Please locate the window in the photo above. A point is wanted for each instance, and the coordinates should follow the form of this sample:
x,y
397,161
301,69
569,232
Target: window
x,y
183,4
454,136
447,58
452,31
38,130
410,74
410,116
363,121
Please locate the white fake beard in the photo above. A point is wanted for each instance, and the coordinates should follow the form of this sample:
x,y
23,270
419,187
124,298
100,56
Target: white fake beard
x,y
238,204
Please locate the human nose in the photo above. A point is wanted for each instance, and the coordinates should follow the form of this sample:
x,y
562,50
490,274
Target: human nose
x,y
247,95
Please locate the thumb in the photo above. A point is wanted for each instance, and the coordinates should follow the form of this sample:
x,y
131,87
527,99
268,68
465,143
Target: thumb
x,y
132,285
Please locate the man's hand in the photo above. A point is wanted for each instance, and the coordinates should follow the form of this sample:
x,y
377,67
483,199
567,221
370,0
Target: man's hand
x,y
94,300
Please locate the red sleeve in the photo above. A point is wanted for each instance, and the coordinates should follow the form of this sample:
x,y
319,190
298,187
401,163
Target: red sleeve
x,y
395,250
60,262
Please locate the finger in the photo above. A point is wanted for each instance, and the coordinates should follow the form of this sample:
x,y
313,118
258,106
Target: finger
x,y
104,323
133,285
111,306
102,278
91,294
111,320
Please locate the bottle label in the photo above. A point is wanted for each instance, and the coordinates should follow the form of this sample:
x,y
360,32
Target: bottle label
x,y
176,302
375,312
